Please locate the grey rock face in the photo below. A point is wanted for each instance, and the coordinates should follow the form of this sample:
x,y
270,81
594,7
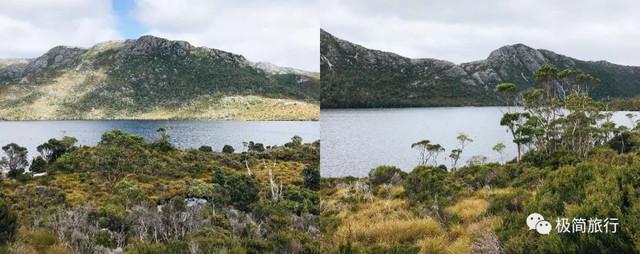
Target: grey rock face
x,y
61,57
148,44
12,69
56,58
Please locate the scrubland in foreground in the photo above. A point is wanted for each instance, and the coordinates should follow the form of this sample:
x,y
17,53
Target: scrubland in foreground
x,y
483,208
572,162
129,195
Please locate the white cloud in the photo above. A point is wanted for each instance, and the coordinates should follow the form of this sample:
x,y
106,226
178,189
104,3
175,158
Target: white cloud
x,y
281,32
28,28
468,30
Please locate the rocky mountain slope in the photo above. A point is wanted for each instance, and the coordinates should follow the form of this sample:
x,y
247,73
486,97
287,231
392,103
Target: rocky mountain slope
x,y
153,78
354,76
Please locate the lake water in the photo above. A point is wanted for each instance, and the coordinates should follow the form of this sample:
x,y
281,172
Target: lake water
x,y
184,134
356,140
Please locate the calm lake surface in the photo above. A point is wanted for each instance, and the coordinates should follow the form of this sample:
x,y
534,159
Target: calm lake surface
x,y
357,140
184,134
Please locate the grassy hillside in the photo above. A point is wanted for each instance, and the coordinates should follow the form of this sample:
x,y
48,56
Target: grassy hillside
x,y
153,77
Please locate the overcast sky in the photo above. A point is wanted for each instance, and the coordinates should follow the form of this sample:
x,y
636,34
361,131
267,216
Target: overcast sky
x,y
468,30
283,32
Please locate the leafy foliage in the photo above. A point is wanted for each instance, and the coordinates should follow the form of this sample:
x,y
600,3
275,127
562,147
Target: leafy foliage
x,y
16,159
311,176
386,175
8,223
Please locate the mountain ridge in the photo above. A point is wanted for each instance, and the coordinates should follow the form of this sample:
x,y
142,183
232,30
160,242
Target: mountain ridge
x,y
386,79
152,76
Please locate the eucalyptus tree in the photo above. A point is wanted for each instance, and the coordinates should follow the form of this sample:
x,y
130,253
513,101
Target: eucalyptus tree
x,y
463,140
421,146
16,159
433,150
499,148
455,156
559,114
54,148
507,92
547,77
631,117
515,123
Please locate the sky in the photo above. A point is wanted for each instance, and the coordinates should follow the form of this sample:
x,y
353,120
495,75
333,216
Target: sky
x,y
282,32
468,30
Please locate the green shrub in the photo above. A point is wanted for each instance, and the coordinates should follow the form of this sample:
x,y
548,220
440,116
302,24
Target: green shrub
x,y
38,165
8,224
625,142
311,176
41,240
205,149
557,159
243,190
112,217
294,242
120,138
429,185
385,175
301,200
257,246
103,238
228,149
509,202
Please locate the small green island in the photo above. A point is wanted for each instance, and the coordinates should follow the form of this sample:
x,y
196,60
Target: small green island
x,y
130,195
572,162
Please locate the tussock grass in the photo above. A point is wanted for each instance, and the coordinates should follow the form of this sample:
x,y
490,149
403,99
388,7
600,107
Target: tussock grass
x,y
434,245
388,232
389,219
468,209
488,193
442,245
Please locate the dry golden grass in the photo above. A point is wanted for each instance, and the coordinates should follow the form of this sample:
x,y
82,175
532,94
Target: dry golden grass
x,y
45,101
468,209
387,232
59,249
246,108
282,172
460,245
488,193
388,219
442,245
492,223
380,210
434,245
